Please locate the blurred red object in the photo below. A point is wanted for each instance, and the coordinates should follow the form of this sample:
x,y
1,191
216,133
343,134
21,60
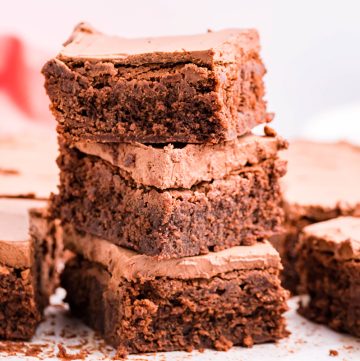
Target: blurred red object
x,y
21,80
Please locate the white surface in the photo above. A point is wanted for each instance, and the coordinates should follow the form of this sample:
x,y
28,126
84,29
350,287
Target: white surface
x,y
308,342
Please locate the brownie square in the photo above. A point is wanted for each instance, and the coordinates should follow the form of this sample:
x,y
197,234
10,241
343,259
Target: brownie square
x,y
103,199
192,89
321,183
140,304
29,254
328,263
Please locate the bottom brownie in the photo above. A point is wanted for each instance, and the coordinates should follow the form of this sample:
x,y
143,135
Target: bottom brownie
x,y
28,266
140,304
329,268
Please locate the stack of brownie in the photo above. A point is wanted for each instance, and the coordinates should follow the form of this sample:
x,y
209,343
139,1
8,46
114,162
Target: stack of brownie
x,y
166,197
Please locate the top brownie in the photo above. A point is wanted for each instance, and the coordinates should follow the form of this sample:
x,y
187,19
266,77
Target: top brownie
x,y
187,89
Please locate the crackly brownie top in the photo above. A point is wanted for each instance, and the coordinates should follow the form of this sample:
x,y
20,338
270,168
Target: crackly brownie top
x,y
322,177
124,263
339,235
222,46
172,166
15,243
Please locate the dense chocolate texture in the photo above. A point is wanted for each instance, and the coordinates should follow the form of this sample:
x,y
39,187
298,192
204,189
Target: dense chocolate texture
x,y
101,199
148,313
192,89
328,263
28,266
321,183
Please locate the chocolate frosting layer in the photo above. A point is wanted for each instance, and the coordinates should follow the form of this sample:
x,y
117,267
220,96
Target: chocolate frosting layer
x,y
87,43
322,178
339,235
16,246
124,263
170,167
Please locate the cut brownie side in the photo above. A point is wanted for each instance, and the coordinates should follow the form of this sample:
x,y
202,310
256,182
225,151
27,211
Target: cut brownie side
x,y
101,199
328,263
193,89
321,183
28,266
232,297
48,250
19,313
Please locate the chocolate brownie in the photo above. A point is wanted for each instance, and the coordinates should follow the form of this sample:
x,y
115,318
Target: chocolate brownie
x,y
29,251
328,263
27,165
140,304
102,199
191,89
322,182
174,166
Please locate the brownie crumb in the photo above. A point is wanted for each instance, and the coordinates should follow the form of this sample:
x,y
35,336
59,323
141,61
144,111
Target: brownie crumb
x,y
16,348
333,353
223,344
248,341
34,350
121,353
63,355
269,132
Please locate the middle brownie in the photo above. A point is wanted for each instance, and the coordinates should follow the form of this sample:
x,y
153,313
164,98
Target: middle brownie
x,y
240,208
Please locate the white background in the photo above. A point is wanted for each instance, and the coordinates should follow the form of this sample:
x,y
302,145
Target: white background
x,y
311,48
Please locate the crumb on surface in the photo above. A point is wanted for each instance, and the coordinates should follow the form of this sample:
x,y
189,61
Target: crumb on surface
x,y
333,353
63,355
269,132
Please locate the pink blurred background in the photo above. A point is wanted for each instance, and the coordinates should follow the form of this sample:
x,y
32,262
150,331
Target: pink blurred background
x,y
311,50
